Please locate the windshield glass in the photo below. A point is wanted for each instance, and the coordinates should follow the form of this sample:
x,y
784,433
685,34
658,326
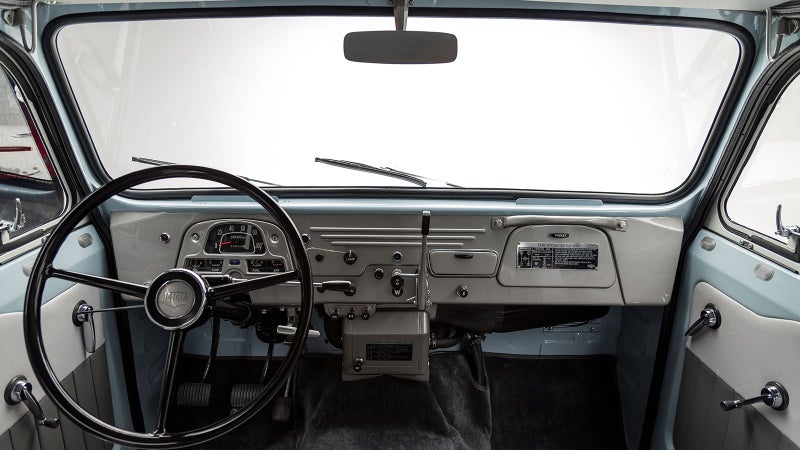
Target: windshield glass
x,y
528,104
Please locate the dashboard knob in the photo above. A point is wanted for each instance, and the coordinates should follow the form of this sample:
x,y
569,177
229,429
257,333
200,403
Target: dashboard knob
x,y
378,273
351,315
365,313
335,314
462,291
357,364
350,257
397,281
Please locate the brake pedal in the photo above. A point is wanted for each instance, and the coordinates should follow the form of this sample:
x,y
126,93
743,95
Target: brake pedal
x,y
193,394
242,394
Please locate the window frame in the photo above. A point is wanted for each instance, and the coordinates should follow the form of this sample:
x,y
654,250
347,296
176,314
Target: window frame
x,y
714,137
38,108
762,103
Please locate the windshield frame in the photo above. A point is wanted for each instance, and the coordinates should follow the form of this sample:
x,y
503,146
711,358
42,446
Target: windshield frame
x,y
712,142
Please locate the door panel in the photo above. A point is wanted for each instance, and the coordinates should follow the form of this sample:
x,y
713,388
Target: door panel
x,y
63,343
756,342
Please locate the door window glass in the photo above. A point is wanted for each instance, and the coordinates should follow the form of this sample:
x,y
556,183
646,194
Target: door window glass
x,y
771,176
30,194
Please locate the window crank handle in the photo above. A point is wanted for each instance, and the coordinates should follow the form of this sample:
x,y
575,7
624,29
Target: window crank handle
x,y
773,395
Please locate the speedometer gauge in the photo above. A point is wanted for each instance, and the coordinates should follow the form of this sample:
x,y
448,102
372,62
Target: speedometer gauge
x,y
235,237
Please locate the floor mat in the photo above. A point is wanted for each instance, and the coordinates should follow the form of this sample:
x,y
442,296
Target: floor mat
x,y
386,412
549,403
535,403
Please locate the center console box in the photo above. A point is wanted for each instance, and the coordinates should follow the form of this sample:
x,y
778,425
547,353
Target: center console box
x,y
389,343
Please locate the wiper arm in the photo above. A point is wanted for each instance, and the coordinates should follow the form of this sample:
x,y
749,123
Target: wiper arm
x,y
387,171
157,162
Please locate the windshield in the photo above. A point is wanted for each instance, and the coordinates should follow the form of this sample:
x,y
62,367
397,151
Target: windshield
x,y
528,104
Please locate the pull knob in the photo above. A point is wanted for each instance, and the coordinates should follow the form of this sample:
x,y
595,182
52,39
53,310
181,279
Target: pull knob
x,y
462,291
352,314
773,395
709,317
357,363
18,391
365,313
288,330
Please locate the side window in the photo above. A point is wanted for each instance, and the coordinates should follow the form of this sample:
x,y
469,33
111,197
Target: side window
x,y
30,192
771,176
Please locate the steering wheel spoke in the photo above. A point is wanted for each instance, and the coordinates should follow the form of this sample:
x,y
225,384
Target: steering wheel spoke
x,y
240,287
121,287
168,380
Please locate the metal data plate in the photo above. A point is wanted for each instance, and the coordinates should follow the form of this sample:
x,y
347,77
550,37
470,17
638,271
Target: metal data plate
x,y
553,255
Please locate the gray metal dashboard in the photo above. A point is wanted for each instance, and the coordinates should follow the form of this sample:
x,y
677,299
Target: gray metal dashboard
x,y
472,259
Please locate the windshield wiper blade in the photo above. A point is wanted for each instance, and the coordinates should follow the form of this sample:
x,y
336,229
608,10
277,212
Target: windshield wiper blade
x,y
158,162
387,171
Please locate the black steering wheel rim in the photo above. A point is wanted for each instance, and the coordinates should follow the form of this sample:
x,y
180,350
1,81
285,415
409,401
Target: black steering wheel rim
x,y
34,342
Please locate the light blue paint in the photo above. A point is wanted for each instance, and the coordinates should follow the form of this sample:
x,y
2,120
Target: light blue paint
x,y
729,268
72,256
563,341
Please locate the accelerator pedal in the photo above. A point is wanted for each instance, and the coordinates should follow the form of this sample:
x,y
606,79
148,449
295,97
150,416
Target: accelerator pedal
x,y
193,394
282,406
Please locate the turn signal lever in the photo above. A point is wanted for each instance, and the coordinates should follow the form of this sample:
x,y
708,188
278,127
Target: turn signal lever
x,y
18,391
709,317
773,395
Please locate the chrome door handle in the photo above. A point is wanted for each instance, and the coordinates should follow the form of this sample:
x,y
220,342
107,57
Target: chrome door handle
x,y
709,317
83,316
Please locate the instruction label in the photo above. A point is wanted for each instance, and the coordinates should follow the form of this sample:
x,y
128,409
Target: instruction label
x,y
551,255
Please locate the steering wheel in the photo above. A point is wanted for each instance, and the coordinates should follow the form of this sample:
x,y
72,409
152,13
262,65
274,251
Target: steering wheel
x,y
174,301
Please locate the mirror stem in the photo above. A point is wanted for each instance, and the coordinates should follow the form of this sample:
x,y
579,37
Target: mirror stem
x,y
400,14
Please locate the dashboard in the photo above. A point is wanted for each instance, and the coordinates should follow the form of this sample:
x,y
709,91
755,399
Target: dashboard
x,y
470,259
408,290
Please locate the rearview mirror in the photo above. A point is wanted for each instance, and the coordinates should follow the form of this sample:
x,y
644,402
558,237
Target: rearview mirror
x,y
400,47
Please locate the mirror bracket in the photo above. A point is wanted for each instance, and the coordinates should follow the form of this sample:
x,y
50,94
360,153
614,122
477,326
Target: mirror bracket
x,y
400,13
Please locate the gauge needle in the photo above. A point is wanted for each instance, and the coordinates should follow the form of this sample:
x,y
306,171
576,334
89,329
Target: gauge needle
x,y
225,243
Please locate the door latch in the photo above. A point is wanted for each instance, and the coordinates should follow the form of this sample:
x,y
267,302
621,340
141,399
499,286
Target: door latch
x,y
792,232
12,226
773,395
83,316
709,317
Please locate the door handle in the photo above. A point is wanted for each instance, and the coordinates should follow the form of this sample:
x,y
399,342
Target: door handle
x,y
709,317
83,316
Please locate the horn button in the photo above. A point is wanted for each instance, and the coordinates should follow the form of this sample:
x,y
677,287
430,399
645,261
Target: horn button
x,y
176,299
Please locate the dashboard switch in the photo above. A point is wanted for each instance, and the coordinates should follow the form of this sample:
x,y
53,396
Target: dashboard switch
x,y
462,291
352,314
397,281
335,314
378,273
350,257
